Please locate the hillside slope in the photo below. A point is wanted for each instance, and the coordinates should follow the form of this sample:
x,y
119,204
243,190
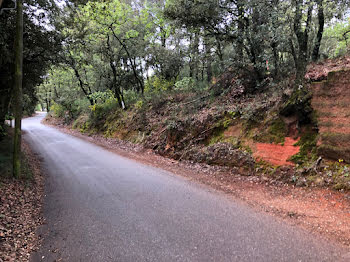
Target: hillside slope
x,y
231,127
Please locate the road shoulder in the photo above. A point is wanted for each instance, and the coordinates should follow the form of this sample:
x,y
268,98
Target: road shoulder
x,y
21,210
323,212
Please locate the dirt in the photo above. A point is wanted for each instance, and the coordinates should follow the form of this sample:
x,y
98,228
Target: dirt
x,y
320,211
319,71
21,212
276,154
312,207
331,100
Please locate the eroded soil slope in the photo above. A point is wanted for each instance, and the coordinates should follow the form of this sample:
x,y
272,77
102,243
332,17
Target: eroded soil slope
x,y
331,100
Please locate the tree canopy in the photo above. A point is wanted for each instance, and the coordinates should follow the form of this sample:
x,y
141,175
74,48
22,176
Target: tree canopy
x,y
77,50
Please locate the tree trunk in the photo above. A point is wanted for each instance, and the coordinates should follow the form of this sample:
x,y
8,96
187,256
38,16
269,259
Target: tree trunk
x,y
220,54
303,39
208,60
321,21
240,7
196,54
18,90
133,65
194,45
275,59
191,63
115,87
114,84
163,36
81,84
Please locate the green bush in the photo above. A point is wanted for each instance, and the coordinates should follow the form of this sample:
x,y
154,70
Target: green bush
x,y
187,83
102,96
101,111
157,84
57,110
139,104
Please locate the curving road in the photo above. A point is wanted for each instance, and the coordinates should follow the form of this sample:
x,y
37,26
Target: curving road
x,y
100,206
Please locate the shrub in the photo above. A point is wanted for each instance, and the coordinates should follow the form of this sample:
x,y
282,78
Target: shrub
x,y
57,110
186,83
102,96
157,84
100,111
139,104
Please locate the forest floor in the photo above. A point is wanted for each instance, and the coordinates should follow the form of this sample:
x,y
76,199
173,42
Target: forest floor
x,y
20,205
318,210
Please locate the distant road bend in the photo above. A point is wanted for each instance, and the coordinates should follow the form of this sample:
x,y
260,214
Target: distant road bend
x,y
100,206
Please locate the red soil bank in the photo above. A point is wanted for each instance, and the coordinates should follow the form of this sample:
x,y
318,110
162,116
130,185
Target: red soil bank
x,y
331,100
277,154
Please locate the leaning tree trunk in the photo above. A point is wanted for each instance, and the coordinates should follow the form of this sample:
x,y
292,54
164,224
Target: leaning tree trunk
x,y
241,29
303,39
18,90
321,21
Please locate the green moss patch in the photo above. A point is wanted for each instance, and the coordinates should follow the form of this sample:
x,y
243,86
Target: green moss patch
x,y
308,150
299,104
227,120
276,133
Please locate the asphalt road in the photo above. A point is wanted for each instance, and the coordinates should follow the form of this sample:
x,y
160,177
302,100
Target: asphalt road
x,y
100,206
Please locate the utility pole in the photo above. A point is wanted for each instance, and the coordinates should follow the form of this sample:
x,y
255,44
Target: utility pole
x,y
18,90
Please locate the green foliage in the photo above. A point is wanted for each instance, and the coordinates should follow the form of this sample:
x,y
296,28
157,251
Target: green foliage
x,y
308,149
9,117
100,111
41,46
102,96
57,110
157,84
339,174
139,104
278,131
187,83
225,122
299,104
275,133
3,132
337,39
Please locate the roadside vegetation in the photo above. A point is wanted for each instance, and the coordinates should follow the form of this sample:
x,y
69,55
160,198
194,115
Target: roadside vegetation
x,y
259,87
180,78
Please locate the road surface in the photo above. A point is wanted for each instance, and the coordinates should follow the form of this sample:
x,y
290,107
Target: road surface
x,y
100,206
